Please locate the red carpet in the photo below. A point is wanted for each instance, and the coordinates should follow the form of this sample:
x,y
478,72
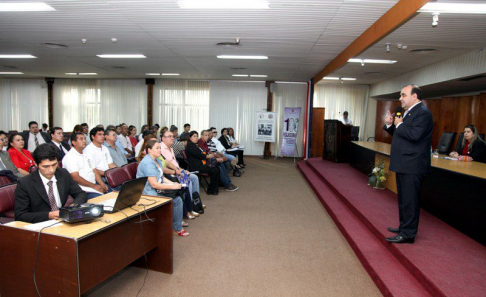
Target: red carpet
x,y
442,262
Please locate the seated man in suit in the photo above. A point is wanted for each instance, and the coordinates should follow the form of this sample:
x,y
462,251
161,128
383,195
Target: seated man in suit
x,y
33,138
62,148
39,195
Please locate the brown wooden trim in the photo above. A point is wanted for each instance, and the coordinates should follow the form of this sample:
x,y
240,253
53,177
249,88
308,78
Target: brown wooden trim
x,y
150,100
267,153
394,18
50,101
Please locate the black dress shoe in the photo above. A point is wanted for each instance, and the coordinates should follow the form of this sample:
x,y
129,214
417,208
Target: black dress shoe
x,y
400,239
213,193
394,230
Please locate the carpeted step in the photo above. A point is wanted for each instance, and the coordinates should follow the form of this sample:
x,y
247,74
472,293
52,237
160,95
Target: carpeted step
x,y
386,271
445,261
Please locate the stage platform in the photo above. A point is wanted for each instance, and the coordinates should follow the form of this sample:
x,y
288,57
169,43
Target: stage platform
x,y
442,262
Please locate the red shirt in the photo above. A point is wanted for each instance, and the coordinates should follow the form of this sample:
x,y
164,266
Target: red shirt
x,y
133,141
203,145
21,160
465,149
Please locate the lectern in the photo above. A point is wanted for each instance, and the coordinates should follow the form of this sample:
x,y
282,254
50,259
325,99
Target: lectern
x,y
337,141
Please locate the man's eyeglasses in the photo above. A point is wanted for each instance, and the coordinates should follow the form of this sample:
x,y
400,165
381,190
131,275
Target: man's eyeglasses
x,y
172,136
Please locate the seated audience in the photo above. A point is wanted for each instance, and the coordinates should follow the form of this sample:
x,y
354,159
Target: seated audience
x,y
138,147
57,137
228,161
118,143
174,131
471,145
132,134
98,152
187,128
143,129
125,140
116,153
197,159
21,157
33,138
118,129
78,129
82,169
151,167
39,196
5,161
45,127
226,143
85,128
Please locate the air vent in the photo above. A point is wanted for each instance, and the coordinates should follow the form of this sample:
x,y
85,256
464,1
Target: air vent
x,y
372,73
119,67
238,68
9,67
424,51
473,77
54,45
230,44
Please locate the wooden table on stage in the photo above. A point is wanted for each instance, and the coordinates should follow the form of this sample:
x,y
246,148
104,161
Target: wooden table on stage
x,y
452,191
73,258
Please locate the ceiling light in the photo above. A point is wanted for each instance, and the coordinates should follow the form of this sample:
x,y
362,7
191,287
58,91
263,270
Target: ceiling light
x,y
258,75
242,57
71,73
371,61
88,73
25,7
168,74
435,19
152,73
11,73
348,78
240,75
387,48
223,4
124,56
17,57
331,78
454,8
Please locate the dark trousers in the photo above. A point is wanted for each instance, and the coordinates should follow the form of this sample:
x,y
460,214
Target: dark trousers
x,y
214,177
238,154
408,186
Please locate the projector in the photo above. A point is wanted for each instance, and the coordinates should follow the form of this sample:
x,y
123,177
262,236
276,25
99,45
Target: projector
x,y
80,212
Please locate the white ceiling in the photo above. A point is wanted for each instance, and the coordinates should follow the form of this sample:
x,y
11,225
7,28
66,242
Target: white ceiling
x,y
300,37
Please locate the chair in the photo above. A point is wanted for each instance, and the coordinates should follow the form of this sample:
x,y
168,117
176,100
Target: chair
x,y
202,176
445,142
116,177
7,202
131,170
5,180
355,133
481,136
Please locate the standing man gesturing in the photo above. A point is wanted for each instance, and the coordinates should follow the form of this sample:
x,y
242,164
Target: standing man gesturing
x,y
410,159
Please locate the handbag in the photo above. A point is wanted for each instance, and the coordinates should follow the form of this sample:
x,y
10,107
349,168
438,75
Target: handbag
x,y
169,193
197,202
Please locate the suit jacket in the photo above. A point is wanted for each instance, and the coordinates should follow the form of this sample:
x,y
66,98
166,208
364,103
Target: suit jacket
x,y
412,140
25,136
31,200
194,156
64,145
478,150
5,156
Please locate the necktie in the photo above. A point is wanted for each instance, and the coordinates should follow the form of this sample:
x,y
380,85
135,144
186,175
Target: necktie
x,y
52,200
36,141
61,152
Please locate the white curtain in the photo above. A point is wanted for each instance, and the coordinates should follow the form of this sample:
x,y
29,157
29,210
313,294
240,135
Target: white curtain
x,y
339,98
177,102
22,101
289,95
107,102
234,104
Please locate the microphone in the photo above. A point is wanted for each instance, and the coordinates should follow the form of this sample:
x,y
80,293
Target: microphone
x,y
399,111
336,114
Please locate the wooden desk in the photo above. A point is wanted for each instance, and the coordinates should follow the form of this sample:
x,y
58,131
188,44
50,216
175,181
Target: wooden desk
x,y
453,190
74,258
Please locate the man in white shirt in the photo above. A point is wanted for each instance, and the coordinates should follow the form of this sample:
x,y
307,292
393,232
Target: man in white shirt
x,y
82,169
345,119
62,148
98,152
125,140
33,138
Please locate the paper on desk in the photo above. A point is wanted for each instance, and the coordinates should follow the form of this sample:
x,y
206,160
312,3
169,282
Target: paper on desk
x,y
38,226
449,158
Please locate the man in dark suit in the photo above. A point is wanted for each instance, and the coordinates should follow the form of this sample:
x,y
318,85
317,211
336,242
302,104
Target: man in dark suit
x,y
33,138
57,137
39,195
410,159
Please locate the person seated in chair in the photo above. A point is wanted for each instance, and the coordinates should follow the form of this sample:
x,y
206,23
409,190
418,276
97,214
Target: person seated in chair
x,y
21,157
39,195
471,145
33,138
56,141
226,143
5,161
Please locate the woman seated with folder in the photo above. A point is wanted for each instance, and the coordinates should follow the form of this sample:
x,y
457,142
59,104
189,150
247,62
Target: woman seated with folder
x,y
471,145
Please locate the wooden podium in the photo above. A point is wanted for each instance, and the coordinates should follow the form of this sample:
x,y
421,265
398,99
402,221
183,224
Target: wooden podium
x,y
337,141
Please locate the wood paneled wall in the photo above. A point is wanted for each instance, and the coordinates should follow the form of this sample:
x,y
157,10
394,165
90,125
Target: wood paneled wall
x,y
450,114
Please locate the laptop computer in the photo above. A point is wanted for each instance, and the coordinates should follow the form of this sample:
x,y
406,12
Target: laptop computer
x,y
129,195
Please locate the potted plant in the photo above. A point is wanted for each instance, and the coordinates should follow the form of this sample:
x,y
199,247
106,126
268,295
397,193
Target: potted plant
x,y
378,175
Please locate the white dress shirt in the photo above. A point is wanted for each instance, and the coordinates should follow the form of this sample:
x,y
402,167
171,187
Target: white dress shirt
x,y
31,143
125,141
346,121
100,155
138,147
83,164
54,188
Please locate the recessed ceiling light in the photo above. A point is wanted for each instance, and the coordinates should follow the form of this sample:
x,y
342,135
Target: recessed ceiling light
x,y
454,8
17,57
331,78
168,74
88,73
240,75
124,56
348,78
372,61
71,73
11,73
242,57
152,73
25,7
258,75
223,4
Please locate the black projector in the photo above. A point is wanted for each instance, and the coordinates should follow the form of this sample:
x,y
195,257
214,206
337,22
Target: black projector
x,y
80,213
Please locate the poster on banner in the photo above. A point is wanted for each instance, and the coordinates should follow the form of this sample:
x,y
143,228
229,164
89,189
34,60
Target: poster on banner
x,y
290,128
266,122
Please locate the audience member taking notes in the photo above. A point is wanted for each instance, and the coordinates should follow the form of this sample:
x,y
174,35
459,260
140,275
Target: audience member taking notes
x,y
471,146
